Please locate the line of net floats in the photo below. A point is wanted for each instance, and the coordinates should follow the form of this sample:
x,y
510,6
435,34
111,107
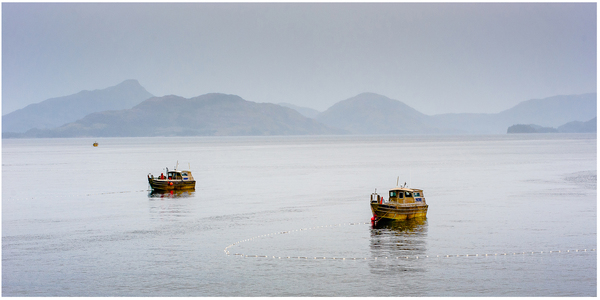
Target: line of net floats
x,y
227,252
411,257
82,195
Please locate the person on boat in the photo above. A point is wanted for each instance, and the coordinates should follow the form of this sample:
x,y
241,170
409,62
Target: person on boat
x,y
162,176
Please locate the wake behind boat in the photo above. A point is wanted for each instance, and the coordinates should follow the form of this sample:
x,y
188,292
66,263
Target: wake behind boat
x,y
174,180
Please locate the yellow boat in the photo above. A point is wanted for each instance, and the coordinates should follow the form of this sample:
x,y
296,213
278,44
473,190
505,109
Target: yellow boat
x,y
403,203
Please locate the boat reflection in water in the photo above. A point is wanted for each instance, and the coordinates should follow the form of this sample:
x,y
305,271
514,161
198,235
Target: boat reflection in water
x,y
170,205
394,240
171,194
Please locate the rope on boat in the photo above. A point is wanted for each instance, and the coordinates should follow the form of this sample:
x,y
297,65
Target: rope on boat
x,y
405,257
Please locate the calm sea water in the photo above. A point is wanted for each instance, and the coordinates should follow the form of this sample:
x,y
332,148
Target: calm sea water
x,y
80,221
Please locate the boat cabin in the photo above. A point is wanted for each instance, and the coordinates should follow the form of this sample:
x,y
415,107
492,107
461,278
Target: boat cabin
x,y
406,195
180,175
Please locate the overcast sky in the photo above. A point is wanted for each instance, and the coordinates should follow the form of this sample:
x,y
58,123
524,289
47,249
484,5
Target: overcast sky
x,y
436,58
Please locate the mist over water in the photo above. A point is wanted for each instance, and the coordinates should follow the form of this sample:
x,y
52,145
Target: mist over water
x,y
80,221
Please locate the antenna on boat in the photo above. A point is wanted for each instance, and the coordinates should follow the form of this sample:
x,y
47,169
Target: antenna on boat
x,y
177,165
397,180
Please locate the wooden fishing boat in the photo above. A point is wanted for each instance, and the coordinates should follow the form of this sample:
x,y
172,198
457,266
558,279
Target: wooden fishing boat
x,y
403,203
174,180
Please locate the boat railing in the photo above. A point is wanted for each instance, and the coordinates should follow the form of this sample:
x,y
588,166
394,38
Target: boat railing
x,y
158,178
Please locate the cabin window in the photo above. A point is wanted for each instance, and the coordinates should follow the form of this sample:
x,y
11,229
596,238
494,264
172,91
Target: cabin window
x,y
417,194
408,194
184,174
395,194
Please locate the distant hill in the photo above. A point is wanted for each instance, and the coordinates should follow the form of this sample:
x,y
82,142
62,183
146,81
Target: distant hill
x,y
571,127
548,112
553,111
530,128
370,113
206,115
580,127
305,111
55,112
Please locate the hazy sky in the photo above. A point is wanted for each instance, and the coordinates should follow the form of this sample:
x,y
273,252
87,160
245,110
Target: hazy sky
x,y
437,58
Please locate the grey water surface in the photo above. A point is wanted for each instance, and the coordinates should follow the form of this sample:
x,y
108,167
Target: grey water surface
x,y
79,220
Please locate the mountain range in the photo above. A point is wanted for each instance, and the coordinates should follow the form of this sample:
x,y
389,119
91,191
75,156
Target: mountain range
x,y
129,110
548,112
58,111
210,114
370,113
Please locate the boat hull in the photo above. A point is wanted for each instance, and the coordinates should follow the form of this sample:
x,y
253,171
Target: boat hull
x,y
399,211
171,185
